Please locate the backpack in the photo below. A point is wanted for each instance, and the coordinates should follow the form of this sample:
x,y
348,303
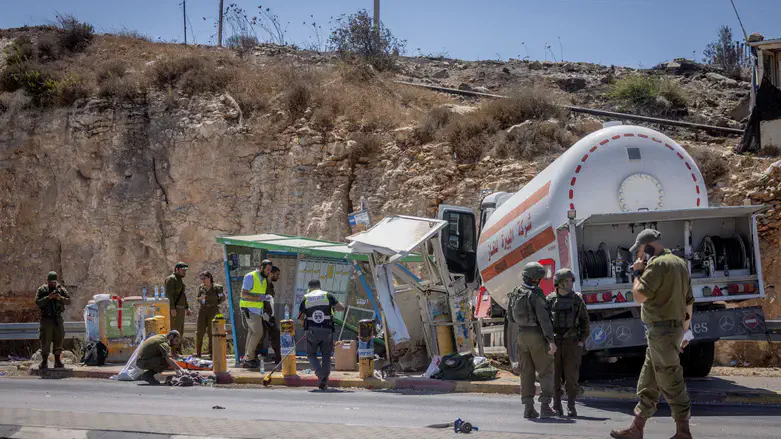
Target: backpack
x,y
484,371
456,367
520,310
94,354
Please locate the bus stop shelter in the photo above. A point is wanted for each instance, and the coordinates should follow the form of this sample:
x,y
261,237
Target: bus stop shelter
x,y
341,271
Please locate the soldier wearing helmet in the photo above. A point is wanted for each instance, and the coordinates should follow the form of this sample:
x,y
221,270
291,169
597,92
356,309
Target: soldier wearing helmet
x,y
528,310
571,330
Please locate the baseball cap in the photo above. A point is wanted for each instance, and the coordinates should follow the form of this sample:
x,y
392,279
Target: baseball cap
x,y
180,265
647,236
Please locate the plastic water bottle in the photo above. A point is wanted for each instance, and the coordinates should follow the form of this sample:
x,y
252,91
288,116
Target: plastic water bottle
x,y
162,291
143,293
262,366
287,312
157,292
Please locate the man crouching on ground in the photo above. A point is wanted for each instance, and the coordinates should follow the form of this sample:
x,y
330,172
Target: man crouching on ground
x,y
155,355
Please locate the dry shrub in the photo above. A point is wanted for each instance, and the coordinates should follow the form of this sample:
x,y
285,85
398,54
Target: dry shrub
x,y
251,90
297,99
435,120
366,145
472,134
469,134
76,36
193,74
22,50
48,46
111,69
534,141
710,163
121,88
528,104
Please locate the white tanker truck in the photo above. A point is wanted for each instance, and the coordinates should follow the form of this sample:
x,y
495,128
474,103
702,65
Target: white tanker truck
x,y
583,212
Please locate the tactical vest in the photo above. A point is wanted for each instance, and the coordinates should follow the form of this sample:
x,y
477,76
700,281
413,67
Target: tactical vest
x,y
317,307
254,297
563,313
520,310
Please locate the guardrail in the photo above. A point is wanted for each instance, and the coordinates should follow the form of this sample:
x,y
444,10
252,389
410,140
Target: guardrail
x,y
29,331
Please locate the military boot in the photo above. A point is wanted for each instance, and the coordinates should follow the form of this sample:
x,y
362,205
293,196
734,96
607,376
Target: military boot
x,y
635,431
546,411
44,364
529,412
58,363
557,406
682,430
571,411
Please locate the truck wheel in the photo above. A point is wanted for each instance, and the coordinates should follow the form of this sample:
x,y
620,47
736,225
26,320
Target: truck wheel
x,y
510,335
697,359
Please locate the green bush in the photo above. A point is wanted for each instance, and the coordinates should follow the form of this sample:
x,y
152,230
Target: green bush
x,y
21,51
648,94
76,36
355,37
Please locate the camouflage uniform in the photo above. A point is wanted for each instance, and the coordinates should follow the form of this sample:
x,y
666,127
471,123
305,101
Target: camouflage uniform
x,y
52,329
177,300
210,300
571,329
528,310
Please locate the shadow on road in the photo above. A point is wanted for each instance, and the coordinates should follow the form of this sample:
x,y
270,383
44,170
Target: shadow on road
x,y
698,410
552,421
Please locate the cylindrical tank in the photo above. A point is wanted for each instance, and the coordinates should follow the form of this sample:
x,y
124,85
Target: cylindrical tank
x,y
219,345
287,346
622,168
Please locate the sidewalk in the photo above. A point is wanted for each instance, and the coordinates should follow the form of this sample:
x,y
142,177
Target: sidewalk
x,y
732,389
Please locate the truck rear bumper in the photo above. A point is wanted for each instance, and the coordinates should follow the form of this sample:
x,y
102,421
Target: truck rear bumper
x,y
735,324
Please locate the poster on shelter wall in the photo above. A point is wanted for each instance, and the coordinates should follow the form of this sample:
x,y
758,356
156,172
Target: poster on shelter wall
x,y
359,221
334,276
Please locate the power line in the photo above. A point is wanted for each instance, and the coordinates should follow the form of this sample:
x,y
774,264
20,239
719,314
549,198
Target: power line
x,y
745,35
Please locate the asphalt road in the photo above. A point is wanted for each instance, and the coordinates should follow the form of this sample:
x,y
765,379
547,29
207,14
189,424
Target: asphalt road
x,y
102,404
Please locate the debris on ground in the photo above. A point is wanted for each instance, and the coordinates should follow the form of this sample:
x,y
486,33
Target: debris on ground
x,y
187,378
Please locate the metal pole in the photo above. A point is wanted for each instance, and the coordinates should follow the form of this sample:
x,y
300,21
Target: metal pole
x,y
219,28
377,16
594,112
184,19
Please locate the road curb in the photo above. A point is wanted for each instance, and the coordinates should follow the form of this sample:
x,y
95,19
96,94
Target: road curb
x,y
440,386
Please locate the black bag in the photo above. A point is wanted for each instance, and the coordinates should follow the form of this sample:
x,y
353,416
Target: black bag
x,y
94,354
456,367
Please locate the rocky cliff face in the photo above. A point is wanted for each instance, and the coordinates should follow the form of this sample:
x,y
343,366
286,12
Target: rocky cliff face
x,y
111,194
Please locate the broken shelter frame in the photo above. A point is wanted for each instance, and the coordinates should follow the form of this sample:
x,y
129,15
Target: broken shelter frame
x,y
444,299
259,246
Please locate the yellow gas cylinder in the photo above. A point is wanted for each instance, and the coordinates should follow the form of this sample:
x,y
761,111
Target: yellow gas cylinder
x,y
219,344
287,346
154,325
445,340
365,348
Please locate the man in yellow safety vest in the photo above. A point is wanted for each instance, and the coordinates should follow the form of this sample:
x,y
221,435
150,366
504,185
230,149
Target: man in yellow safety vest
x,y
253,296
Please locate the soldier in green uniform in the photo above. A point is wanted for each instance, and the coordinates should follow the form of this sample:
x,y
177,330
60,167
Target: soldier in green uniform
x,y
210,296
177,299
527,309
663,287
571,328
155,355
51,298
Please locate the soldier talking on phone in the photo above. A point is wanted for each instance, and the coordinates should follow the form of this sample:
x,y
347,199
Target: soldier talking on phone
x,y
663,288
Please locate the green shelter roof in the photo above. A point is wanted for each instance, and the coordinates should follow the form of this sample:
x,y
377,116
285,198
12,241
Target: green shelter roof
x,y
301,245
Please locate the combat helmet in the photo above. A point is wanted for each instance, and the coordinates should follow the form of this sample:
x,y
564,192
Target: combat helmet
x,y
534,272
564,273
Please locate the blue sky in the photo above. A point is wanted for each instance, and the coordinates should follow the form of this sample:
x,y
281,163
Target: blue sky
x,y
621,32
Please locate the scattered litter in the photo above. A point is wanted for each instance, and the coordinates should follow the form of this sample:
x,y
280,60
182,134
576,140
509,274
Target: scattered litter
x,y
218,407
307,371
433,367
2,373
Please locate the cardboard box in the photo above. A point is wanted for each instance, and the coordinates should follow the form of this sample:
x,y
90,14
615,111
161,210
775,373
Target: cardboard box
x,y
346,355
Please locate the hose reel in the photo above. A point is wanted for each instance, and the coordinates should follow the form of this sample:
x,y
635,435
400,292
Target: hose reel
x,y
726,251
595,264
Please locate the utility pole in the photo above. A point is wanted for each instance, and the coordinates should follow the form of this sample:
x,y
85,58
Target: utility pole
x,y
377,16
184,19
219,30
